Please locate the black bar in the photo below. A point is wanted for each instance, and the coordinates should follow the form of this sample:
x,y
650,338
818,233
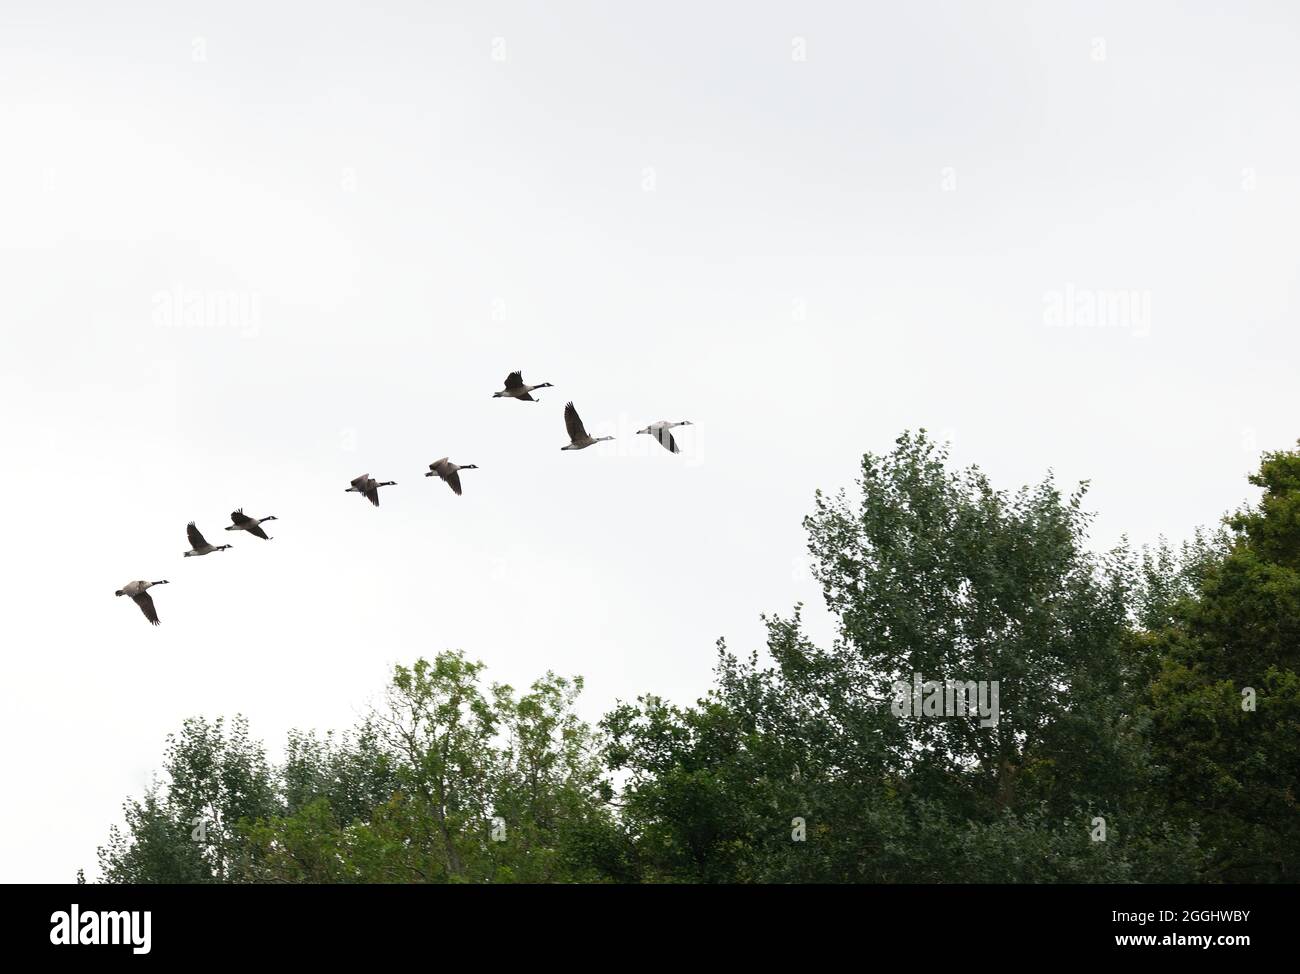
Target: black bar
x,y
938,924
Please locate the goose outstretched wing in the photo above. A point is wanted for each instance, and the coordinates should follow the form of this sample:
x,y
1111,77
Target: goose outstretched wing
x,y
145,602
573,423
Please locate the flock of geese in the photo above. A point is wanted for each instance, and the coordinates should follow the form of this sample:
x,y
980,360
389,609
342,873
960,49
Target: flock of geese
x,y
366,485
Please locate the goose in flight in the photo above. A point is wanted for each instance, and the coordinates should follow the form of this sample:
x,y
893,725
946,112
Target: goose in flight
x,y
445,469
140,595
366,484
663,432
242,522
515,388
198,546
579,438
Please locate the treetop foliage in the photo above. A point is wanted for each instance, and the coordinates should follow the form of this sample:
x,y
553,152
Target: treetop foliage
x,y
1146,726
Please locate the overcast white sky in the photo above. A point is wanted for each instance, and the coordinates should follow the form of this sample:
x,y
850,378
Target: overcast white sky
x,y
805,227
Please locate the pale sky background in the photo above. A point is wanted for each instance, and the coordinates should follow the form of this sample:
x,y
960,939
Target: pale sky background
x,y
661,209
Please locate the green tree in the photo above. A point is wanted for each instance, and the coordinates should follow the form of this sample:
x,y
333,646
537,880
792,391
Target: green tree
x,y
184,829
446,781
1233,767
930,572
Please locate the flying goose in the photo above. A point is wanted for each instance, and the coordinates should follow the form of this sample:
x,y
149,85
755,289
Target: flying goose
x,y
579,438
242,522
445,469
515,388
140,595
366,484
198,546
662,431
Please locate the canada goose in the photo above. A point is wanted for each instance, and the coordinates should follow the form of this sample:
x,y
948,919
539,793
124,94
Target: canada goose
x,y
445,469
140,595
198,546
579,438
662,431
515,388
366,484
242,522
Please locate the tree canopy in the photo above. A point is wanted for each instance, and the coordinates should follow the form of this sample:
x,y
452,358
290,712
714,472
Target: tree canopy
x,y
1138,723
